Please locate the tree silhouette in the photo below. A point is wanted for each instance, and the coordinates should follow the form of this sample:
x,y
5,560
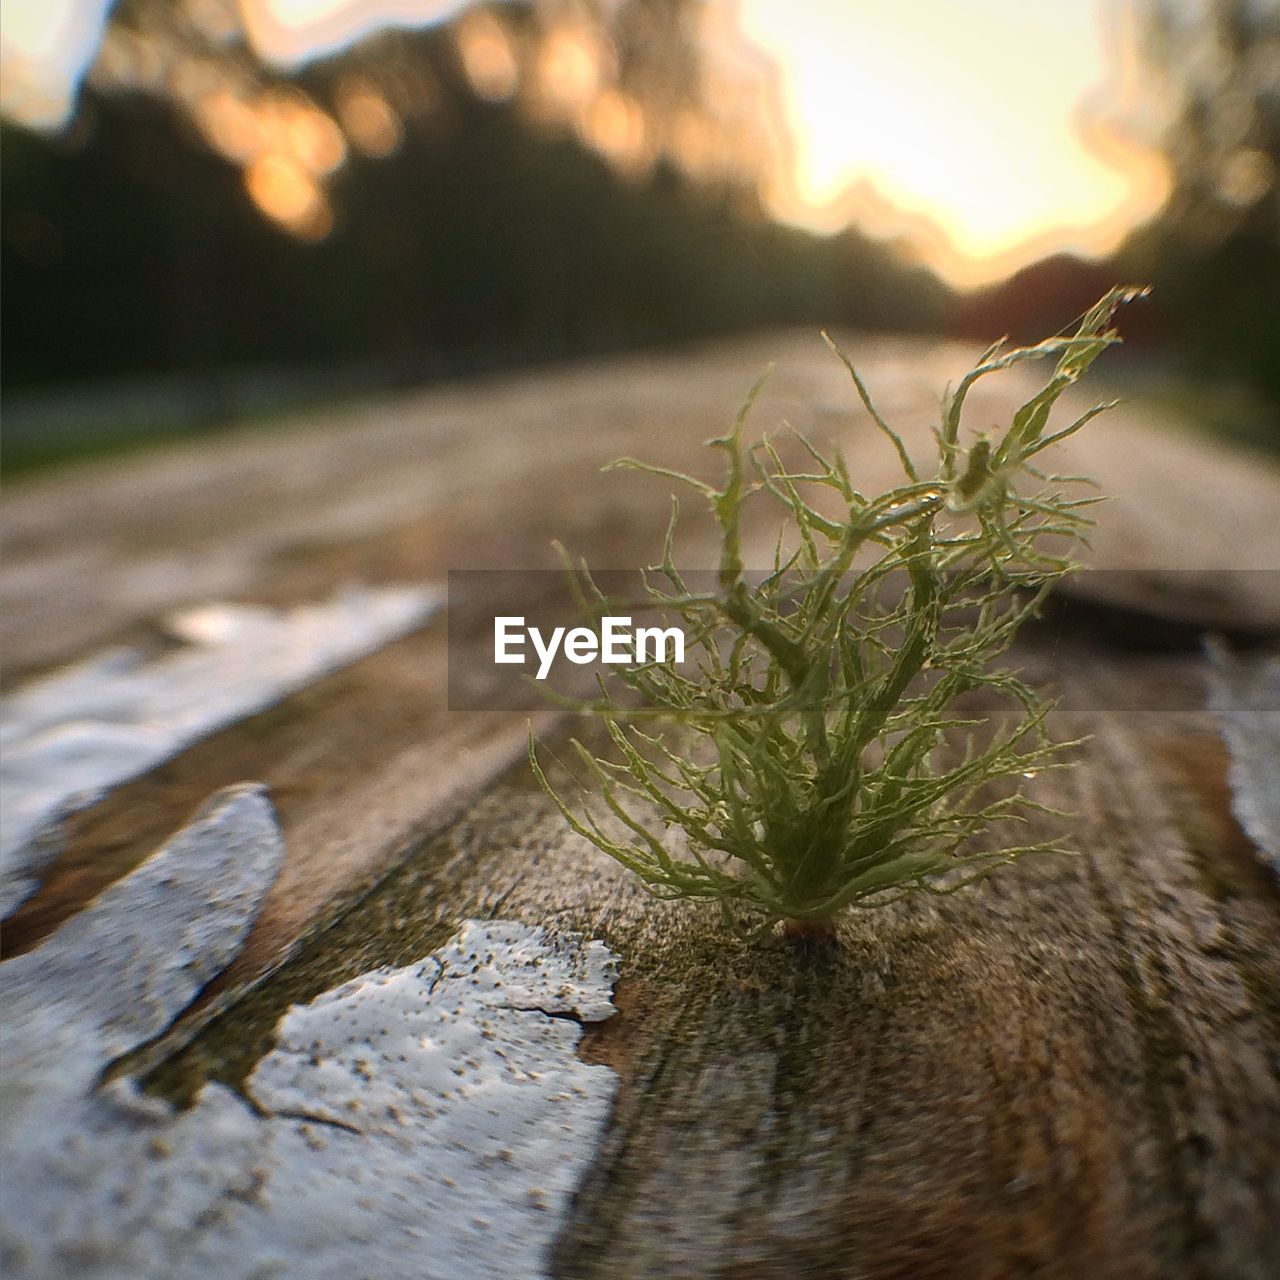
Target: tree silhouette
x,y
402,203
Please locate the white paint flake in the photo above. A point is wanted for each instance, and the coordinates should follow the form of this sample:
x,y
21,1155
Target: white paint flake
x,y
109,979
1245,694
120,970
67,739
428,1121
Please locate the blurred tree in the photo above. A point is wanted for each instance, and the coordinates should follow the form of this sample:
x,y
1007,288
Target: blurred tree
x,y
527,180
1214,252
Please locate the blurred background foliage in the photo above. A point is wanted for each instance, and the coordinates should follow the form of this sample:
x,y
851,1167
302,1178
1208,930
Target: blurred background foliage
x,y
527,181
1214,251
406,202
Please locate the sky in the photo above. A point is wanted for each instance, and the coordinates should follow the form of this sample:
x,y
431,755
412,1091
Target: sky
x,y
977,130
972,116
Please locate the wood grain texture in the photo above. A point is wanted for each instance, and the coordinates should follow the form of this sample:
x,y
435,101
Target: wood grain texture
x,y
1070,1072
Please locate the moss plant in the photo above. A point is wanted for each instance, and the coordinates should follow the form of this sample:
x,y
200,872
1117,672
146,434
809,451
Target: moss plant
x,y
809,750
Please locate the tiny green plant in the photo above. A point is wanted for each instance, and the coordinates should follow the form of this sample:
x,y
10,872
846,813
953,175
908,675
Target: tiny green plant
x,y
809,756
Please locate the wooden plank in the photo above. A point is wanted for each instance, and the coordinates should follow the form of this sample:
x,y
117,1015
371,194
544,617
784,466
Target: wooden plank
x,y
1070,1071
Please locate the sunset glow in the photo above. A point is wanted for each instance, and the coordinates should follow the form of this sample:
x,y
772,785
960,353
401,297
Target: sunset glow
x,y
965,131
980,135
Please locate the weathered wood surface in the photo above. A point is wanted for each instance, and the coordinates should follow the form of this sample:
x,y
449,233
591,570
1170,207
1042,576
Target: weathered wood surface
x,y
1072,1071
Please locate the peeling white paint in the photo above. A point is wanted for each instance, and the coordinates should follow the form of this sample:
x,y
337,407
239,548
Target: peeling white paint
x,y
427,1121
1245,694
119,971
455,1118
67,739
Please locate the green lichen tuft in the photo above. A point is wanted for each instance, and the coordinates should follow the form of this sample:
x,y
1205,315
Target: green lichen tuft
x,y
805,757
